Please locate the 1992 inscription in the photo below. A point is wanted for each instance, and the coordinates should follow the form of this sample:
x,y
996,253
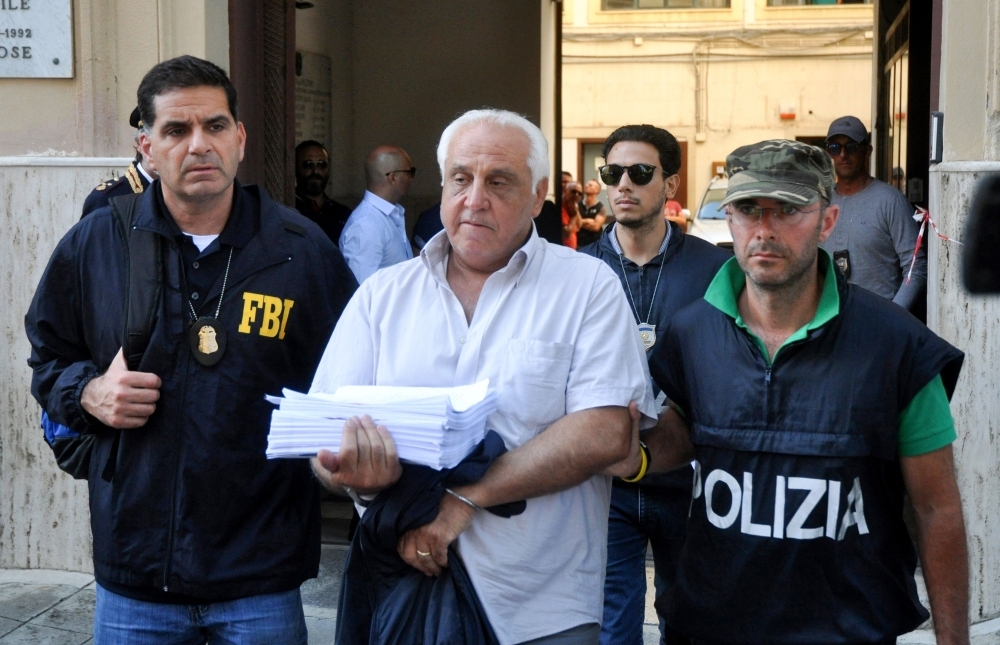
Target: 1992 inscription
x,y
36,39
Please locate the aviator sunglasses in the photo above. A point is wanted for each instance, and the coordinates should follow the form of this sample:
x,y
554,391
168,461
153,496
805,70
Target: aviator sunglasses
x,y
850,148
640,174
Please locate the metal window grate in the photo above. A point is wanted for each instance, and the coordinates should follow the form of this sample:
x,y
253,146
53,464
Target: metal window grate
x,y
274,96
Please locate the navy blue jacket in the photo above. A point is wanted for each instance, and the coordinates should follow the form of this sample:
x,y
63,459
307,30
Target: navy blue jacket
x,y
194,508
689,265
428,225
385,600
796,530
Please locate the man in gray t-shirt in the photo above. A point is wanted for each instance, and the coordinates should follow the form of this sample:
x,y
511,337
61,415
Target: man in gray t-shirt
x,y
875,235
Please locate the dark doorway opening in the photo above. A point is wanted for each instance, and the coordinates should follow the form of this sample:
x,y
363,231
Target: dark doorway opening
x,y
262,64
903,101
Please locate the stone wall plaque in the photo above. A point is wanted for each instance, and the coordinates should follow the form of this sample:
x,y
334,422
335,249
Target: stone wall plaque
x,y
36,39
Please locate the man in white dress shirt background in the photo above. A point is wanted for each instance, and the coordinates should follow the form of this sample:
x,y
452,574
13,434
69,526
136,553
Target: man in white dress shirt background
x,y
375,234
490,299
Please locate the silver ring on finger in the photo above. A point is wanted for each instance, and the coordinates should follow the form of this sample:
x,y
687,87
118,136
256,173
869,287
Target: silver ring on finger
x,y
422,554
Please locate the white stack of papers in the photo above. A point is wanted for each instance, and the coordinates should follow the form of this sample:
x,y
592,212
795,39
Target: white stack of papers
x,y
433,426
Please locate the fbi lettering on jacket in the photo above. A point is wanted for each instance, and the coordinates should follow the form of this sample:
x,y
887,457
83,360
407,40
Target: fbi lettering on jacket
x,y
266,315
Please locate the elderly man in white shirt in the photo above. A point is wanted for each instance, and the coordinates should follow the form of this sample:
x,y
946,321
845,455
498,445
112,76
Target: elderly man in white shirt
x,y
375,234
490,299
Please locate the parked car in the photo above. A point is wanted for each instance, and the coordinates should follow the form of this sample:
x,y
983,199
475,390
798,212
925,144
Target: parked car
x,y
709,221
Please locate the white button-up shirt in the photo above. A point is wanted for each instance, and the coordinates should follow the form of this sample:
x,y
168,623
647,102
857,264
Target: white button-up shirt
x,y
554,334
374,237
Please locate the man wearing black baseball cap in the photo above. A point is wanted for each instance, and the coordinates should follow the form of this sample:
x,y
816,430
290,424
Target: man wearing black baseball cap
x,y
876,234
813,407
136,179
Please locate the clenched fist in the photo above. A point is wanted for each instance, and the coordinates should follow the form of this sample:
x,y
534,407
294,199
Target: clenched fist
x,y
120,398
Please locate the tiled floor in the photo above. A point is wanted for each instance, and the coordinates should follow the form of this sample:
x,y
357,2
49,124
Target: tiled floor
x,y
46,607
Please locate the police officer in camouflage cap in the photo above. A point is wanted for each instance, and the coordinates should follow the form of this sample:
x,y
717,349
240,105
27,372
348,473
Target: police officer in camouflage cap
x,y
813,405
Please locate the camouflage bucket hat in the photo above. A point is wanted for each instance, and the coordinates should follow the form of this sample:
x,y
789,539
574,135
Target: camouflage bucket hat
x,y
788,171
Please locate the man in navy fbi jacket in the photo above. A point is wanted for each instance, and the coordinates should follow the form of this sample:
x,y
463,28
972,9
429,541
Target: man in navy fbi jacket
x,y
196,534
813,407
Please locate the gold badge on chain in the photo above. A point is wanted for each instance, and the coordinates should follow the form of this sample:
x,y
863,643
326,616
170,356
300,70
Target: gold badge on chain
x,y
208,341
647,333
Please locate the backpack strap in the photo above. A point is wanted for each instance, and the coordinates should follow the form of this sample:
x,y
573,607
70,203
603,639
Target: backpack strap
x,y
143,287
144,279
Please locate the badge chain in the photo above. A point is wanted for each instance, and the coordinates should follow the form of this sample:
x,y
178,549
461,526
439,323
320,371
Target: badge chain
x,y
225,279
643,332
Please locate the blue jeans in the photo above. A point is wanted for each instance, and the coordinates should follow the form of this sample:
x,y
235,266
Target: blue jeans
x,y
267,619
653,513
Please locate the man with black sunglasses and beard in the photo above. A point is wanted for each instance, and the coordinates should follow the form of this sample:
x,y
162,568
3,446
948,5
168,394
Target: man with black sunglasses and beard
x,y
312,174
876,234
662,270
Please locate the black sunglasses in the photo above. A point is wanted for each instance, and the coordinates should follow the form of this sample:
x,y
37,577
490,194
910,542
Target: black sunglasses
x,y
640,174
412,172
835,148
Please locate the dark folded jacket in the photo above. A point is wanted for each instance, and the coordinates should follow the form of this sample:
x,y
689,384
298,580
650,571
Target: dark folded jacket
x,y
385,600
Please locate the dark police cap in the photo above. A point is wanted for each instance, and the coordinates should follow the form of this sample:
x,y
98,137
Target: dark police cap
x,y
788,171
135,120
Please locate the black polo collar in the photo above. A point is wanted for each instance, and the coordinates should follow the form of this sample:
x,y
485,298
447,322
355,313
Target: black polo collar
x,y
242,225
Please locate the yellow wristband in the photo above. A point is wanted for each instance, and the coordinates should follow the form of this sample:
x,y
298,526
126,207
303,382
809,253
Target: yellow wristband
x,y
643,468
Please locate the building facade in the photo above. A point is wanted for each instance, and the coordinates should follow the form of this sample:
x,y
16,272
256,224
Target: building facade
x,y
718,74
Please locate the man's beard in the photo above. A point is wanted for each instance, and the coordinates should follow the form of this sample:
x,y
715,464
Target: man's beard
x,y
649,216
642,221
311,185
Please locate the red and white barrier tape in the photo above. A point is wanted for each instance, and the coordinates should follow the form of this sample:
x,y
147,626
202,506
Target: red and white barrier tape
x,y
923,217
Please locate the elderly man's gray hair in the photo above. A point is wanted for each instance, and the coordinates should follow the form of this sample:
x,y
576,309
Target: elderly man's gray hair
x,y
538,154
